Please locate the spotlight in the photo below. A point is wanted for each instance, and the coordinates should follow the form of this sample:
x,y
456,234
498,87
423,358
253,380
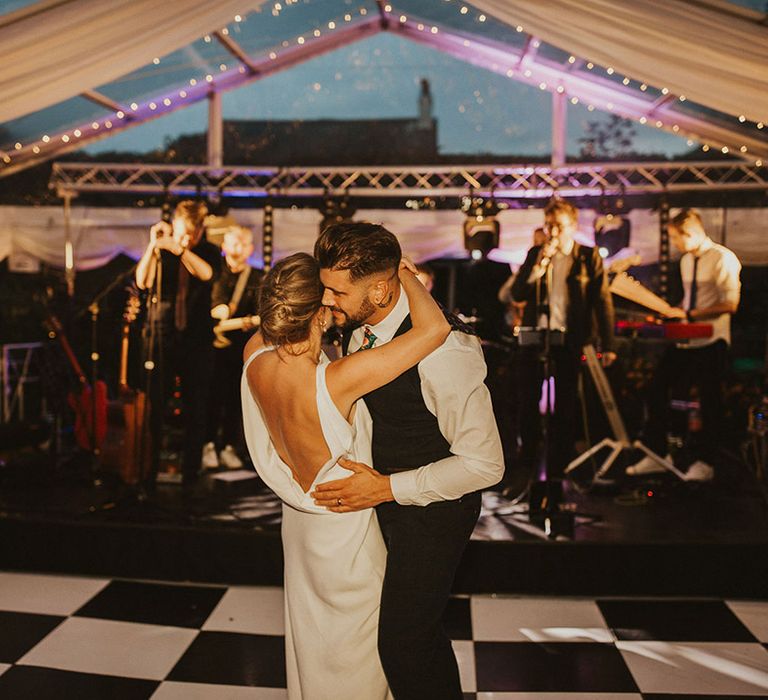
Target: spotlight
x,y
611,233
481,228
336,211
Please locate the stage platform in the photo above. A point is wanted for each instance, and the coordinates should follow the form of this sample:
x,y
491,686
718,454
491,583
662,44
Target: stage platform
x,y
655,536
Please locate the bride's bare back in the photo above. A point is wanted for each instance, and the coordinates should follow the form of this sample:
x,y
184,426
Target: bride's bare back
x,y
284,387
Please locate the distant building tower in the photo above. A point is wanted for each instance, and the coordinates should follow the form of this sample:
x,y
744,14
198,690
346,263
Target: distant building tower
x,y
425,105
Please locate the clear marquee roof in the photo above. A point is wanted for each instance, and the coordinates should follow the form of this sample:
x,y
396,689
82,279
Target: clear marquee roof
x,y
372,81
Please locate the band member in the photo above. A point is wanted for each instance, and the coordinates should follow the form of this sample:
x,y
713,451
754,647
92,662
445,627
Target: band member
x,y
235,296
179,265
710,275
515,308
565,288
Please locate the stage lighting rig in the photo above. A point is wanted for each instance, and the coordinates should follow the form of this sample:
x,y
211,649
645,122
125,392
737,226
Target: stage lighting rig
x,y
336,211
481,228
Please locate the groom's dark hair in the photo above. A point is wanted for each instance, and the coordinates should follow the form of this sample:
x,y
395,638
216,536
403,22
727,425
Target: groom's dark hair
x,y
361,248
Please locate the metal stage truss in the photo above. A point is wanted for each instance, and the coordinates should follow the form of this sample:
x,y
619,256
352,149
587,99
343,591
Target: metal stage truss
x,y
515,181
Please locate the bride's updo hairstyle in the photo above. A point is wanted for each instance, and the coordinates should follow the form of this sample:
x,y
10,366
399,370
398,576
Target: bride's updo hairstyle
x,y
291,294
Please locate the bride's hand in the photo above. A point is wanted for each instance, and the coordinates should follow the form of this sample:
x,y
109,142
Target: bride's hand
x,y
407,264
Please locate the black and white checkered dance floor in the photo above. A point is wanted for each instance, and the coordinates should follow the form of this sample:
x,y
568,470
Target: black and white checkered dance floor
x,y
66,637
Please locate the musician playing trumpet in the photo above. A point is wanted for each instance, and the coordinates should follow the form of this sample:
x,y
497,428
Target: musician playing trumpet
x,y
235,296
712,289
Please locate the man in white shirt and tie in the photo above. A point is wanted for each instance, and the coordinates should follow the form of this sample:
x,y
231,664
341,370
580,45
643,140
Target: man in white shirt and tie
x,y
712,289
435,446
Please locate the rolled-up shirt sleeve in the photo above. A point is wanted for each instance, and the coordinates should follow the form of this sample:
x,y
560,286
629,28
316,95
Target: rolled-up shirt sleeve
x,y
452,384
727,278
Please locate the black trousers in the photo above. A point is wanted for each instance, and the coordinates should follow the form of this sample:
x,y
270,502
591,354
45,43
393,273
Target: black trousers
x,y
565,366
679,369
189,357
424,546
225,417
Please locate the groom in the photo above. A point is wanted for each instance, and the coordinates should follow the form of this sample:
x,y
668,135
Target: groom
x,y
435,445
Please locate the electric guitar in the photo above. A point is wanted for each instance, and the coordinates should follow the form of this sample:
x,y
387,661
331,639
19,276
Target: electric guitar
x,y
89,404
232,324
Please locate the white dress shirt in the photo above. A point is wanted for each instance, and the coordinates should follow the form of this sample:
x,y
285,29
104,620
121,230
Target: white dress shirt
x,y
717,281
452,384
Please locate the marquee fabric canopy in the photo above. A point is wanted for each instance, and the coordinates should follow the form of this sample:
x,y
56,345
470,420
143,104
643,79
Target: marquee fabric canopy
x,y
706,51
694,67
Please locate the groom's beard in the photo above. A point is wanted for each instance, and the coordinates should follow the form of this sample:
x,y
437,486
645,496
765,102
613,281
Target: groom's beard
x,y
353,320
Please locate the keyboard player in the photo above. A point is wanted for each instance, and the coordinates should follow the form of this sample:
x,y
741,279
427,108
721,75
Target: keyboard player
x,y
710,276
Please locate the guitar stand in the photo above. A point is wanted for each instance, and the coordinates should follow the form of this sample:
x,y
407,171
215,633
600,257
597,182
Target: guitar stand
x,y
620,440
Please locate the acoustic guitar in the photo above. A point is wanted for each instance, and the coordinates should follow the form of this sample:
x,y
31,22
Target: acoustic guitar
x,y
128,448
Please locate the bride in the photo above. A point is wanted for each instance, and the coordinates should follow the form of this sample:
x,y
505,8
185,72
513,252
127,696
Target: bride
x,y
301,414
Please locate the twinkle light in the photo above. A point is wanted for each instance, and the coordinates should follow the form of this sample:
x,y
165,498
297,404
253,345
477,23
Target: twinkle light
x,y
134,106
363,11
65,138
659,123
527,73
481,18
542,86
152,106
347,18
387,8
681,98
182,94
759,163
574,100
518,29
742,118
464,10
167,102
156,61
77,133
466,43
643,87
689,142
6,158
35,149
591,108
119,114
225,31
510,73
94,125
193,82
209,78
420,27
300,40
675,128
664,91
609,70
239,18
207,38
222,67
724,149
759,125
273,55
403,19
609,105
316,32
560,89
241,70
705,147
331,25
590,65
571,59
743,149
434,30
46,138
625,81
108,124
642,120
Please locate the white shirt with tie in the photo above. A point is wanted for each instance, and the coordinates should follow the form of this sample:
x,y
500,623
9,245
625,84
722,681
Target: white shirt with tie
x,y
717,281
452,385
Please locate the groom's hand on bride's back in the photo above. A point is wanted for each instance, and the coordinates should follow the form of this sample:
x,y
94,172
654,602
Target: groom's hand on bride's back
x,y
366,488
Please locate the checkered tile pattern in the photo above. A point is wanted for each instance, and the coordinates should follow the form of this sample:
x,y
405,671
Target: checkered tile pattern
x,y
66,637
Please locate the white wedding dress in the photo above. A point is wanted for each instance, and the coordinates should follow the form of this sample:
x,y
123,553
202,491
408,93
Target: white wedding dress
x,y
334,562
